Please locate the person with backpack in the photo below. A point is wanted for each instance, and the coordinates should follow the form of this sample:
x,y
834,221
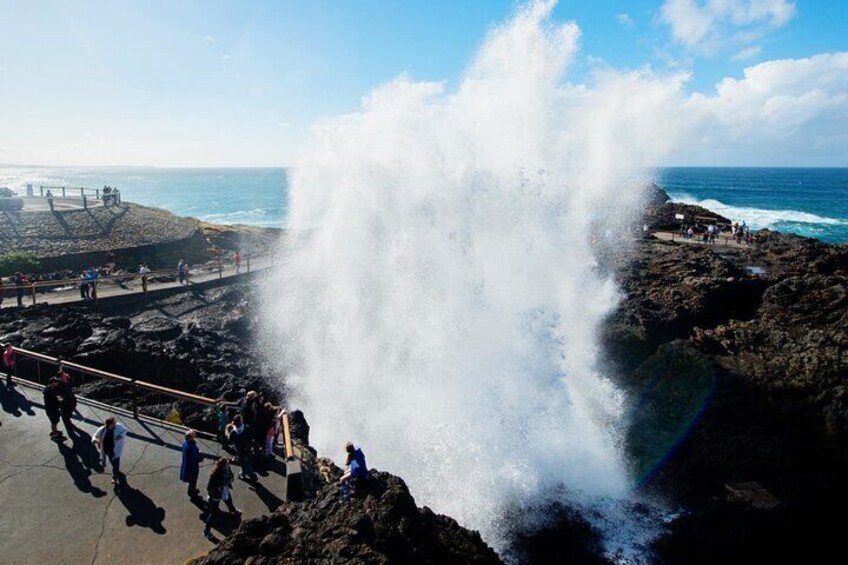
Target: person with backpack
x,y
219,488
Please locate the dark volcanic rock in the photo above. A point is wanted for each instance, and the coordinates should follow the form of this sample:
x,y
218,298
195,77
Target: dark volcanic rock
x,y
196,342
738,379
381,524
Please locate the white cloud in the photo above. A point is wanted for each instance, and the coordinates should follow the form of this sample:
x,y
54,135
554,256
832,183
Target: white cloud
x,y
747,53
624,19
208,39
707,24
284,124
226,57
780,112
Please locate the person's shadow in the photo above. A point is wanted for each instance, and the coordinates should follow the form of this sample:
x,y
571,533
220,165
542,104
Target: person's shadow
x,y
14,402
79,471
143,511
224,523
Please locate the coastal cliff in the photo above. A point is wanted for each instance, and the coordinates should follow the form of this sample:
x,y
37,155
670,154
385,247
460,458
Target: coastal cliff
x,y
735,360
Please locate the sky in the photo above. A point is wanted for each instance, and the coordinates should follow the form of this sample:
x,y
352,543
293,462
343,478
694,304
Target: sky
x,y
214,83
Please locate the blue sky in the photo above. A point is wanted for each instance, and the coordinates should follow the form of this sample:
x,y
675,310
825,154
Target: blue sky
x,y
239,83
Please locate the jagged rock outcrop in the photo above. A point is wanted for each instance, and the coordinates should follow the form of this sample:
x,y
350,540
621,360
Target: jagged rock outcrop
x,y
380,524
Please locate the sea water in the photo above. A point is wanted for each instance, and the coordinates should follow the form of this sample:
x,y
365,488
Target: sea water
x,y
812,202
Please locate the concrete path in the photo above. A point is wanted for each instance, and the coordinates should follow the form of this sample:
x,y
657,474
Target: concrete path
x,y
106,289
58,508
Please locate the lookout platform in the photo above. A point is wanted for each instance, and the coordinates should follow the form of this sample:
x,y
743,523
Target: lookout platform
x,y
58,507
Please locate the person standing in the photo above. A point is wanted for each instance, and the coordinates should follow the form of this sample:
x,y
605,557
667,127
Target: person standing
x,y
241,438
190,466
219,488
9,364
69,398
182,271
221,421
109,439
143,270
21,281
52,407
237,260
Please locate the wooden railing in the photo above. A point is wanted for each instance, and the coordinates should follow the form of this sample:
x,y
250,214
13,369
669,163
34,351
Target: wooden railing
x,y
134,386
34,287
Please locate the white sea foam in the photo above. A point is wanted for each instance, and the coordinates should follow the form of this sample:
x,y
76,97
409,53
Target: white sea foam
x,y
756,218
439,299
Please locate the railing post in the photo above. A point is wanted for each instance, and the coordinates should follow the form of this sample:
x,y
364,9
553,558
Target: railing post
x,y
248,263
97,192
41,190
63,192
33,294
220,270
134,403
38,369
82,193
84,202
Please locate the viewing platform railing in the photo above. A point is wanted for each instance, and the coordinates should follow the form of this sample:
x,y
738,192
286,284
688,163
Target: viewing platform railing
x,y
137,388
35,287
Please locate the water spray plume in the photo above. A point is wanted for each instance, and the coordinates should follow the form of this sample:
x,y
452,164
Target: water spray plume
x,y
439,298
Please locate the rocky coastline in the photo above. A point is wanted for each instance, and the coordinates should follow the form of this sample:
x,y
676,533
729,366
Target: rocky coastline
x,y
736,358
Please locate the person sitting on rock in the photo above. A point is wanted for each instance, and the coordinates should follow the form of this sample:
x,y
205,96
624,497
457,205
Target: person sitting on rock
x,y
356,471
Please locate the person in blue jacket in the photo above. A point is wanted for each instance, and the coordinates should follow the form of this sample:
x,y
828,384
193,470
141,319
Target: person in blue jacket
x,y
356,469
190,467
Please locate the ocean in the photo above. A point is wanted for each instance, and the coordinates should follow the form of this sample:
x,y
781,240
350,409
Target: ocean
x,y
809,202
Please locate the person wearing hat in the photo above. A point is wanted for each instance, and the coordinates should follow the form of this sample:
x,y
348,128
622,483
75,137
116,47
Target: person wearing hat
x,y
190,467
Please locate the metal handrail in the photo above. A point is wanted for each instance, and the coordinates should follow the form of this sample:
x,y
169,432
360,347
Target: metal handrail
x,y
135,384
109,278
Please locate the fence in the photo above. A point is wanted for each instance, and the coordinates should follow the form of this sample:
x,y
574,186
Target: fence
x,y
138,390
33,288
81,192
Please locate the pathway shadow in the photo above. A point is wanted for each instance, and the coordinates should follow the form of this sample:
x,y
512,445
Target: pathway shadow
x,y
15,403
268,498
78,471
143,511
225,523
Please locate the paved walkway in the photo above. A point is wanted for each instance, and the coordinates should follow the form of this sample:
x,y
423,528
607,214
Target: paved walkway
x,y
106,289
58,508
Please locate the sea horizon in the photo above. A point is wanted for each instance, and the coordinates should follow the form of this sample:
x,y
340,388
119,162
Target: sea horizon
x,y
807,201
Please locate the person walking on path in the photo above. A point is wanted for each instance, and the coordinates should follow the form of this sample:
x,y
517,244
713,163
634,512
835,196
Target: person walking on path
x,y
52,407
9,364
69,398
109,439
241,437
182,271
143,270
237,260
355,468
190,466
219,488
